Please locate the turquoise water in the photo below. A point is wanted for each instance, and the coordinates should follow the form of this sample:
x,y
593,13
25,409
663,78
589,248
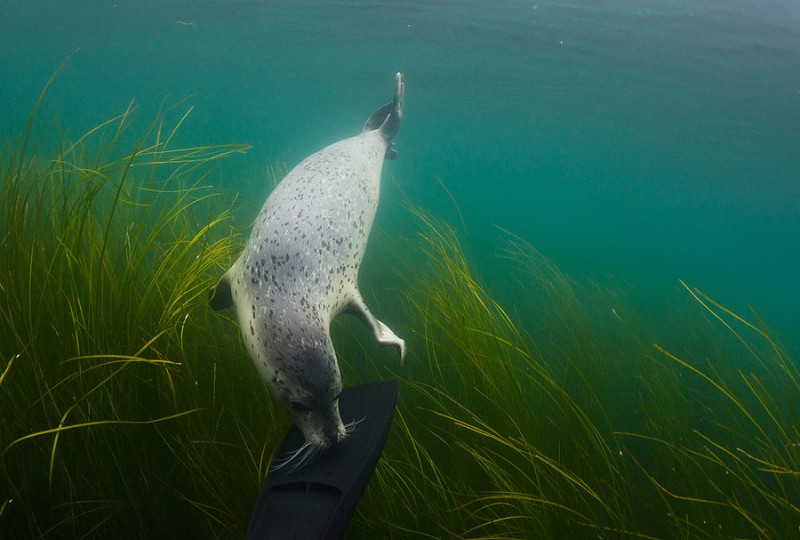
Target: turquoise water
x,y
642,141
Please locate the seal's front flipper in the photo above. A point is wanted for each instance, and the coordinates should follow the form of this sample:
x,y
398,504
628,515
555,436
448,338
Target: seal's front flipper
x,y
220,296
383,334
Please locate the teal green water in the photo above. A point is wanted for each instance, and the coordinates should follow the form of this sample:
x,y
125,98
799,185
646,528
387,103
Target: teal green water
x,y
633,143
642,140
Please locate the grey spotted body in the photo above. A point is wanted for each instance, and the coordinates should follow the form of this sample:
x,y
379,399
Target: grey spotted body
x,y
299,270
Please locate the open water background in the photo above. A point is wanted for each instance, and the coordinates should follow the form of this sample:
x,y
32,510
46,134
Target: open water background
x,y
641,141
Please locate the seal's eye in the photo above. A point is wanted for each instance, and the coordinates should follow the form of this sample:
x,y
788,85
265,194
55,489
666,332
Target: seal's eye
x,y
336,397
299,407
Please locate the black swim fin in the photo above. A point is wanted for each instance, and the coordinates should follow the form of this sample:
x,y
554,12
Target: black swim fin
x,y
317,500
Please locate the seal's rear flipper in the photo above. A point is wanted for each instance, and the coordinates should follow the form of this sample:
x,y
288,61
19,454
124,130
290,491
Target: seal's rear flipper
x,y
220,296
387,118
379,117
317,500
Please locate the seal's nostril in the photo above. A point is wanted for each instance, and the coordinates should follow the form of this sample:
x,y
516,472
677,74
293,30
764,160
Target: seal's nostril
x,y
333,438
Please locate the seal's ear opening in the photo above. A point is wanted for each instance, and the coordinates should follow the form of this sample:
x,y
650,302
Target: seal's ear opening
x,y
220,296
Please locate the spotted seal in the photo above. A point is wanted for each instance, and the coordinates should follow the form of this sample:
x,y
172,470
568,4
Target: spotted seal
x,y
299,270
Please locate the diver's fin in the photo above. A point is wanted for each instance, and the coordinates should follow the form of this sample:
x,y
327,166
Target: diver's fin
x,y
317,500
220,295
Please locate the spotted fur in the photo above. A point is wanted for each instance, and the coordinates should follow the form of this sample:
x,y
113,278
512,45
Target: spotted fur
x,y
299,270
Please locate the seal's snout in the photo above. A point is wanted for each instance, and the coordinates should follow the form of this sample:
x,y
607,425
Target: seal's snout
x,y
333,438
322,428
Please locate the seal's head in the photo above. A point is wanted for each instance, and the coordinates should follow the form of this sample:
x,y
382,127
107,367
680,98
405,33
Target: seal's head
x,y
311,395
317,417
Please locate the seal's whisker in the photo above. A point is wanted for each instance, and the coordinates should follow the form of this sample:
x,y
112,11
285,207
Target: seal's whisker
x,y
309,456
301,453
281,463
352,427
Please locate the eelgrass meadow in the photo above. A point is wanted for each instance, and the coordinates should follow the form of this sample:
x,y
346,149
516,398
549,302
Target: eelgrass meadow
x,y
131,410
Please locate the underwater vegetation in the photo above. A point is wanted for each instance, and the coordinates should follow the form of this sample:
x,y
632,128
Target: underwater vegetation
x,y
106,253
131,410
582,427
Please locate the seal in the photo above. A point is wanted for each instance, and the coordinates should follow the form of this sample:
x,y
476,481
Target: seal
x,y
299,270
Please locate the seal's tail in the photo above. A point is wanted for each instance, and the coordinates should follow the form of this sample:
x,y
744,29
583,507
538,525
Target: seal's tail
x,y
387,118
